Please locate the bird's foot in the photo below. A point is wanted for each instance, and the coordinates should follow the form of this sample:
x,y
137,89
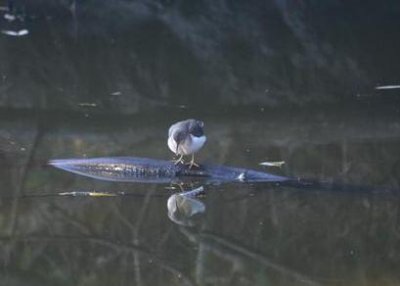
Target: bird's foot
x,y
192,163
179,161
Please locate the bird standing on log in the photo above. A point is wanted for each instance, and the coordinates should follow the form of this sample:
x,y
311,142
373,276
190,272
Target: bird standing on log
x,y
186,138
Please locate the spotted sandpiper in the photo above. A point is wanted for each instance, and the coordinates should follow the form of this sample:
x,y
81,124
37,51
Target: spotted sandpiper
x,y
186,138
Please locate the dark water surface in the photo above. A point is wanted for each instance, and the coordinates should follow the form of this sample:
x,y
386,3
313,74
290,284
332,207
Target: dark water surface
x,y
272,80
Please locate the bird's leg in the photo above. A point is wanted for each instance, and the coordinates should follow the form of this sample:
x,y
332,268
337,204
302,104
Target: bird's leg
x,y
179,160
192,163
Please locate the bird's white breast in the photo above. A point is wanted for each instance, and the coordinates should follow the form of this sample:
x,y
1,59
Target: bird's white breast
x,y
188,146
197,143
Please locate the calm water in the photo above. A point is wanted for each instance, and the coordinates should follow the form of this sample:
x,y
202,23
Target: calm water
x,y
272,81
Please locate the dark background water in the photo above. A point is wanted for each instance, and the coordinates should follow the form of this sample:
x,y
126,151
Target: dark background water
x,y
272,80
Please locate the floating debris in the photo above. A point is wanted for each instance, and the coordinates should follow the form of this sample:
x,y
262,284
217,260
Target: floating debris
x,y
242,177
88,194
89,104
23,32
193,193
381,87
272,164
96,194
19,33
116,93
9,17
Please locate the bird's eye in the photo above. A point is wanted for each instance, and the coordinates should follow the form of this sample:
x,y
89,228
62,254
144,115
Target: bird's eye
x,y
197,131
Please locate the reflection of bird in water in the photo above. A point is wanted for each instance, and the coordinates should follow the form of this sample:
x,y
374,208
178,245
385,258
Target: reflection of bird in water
x,y
184,207
186,138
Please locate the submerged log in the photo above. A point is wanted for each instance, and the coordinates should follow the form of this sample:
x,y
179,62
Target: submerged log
x,y
134,169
